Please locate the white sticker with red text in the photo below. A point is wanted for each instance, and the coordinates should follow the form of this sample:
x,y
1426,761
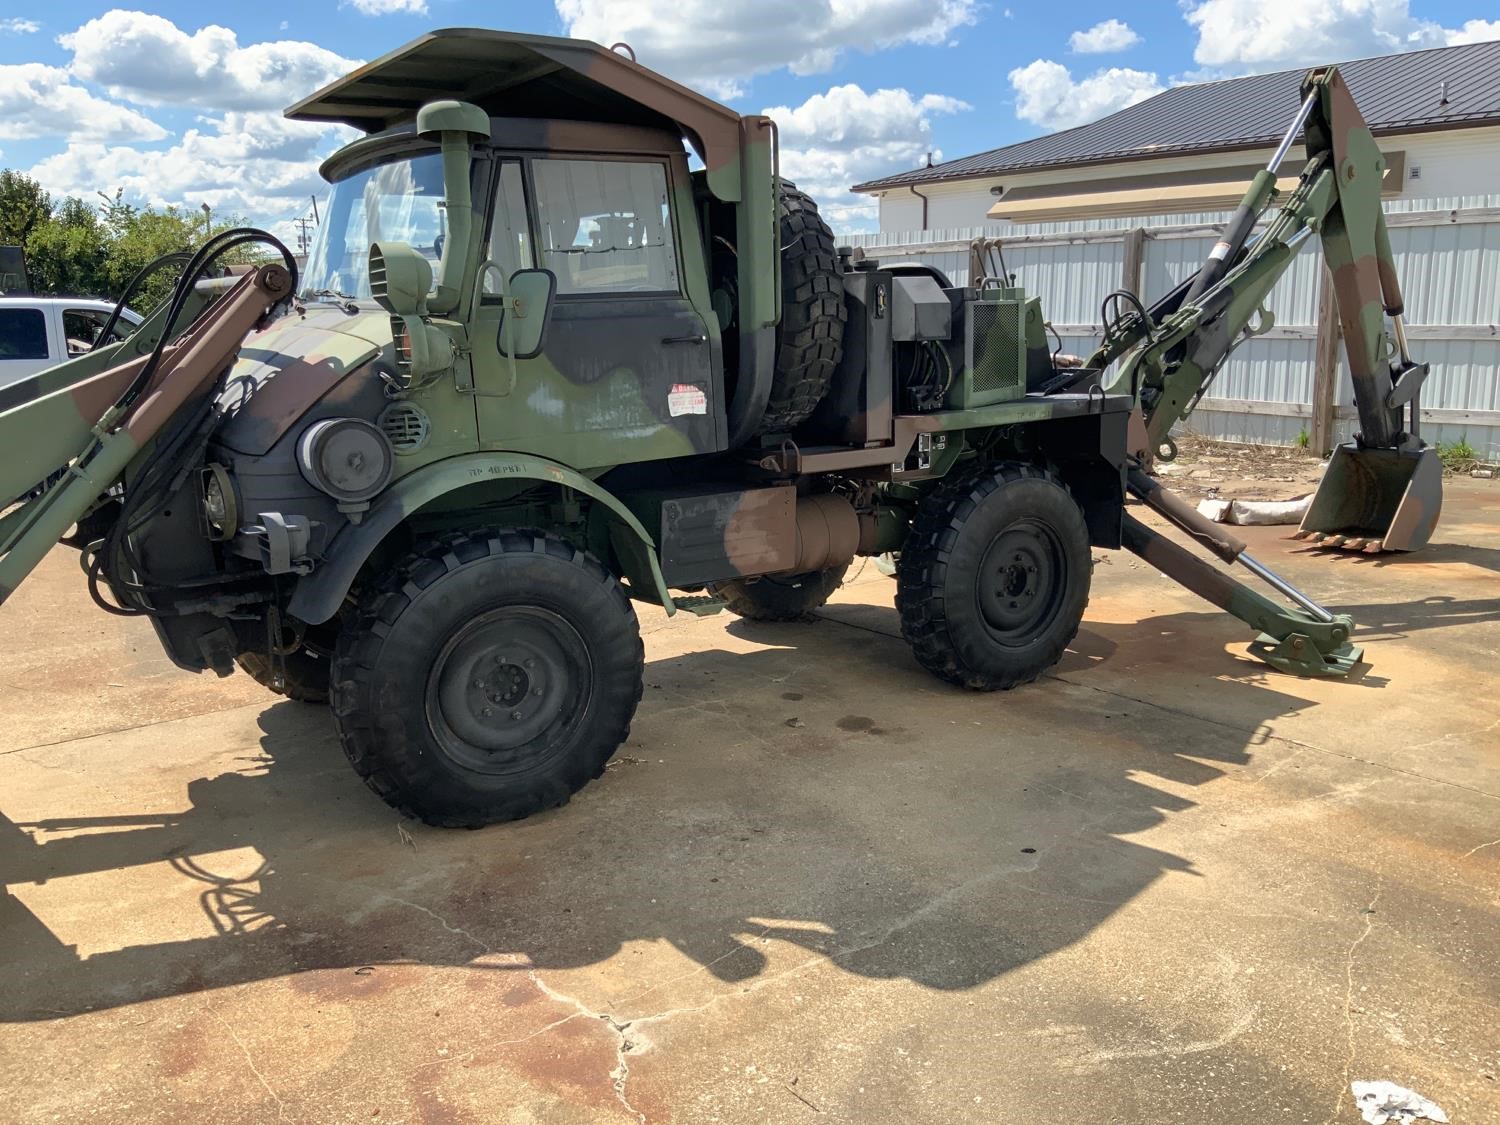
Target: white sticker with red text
x,y
684,398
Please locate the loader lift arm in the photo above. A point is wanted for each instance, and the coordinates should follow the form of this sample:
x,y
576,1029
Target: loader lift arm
x,y
1382,491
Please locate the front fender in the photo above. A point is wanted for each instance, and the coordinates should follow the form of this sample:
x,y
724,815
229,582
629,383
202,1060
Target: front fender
x,y
319,594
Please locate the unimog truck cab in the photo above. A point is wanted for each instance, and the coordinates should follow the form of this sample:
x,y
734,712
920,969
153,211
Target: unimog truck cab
x,y
566,342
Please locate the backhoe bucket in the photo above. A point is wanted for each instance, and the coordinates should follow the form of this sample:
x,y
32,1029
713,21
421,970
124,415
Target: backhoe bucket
x,y
1376,500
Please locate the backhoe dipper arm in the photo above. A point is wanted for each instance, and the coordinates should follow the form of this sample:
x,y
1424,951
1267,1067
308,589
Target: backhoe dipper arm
x,y
1171,364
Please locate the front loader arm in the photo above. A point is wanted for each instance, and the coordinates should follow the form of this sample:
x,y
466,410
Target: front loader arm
x,y
1170,363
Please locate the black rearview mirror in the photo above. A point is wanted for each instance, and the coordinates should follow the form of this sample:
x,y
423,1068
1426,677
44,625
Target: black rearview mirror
x,y
528,308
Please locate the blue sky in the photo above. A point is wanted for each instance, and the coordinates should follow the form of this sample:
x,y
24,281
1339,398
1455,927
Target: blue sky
x,y
175,107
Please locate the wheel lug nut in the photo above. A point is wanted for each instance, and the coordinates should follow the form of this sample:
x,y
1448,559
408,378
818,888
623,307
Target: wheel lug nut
x,y
487,712
515,714
479,683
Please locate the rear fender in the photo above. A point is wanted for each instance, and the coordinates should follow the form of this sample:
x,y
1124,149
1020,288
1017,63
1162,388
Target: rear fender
x,y
319,594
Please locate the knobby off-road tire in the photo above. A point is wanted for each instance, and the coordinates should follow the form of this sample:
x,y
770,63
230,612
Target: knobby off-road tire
x,y
780,597
492,676
810,338
993,580
306,674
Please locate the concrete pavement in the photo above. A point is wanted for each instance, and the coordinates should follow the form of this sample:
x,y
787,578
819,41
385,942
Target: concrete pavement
x,y
1163,884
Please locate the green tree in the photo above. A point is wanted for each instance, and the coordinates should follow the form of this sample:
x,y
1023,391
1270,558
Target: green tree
x,y
75,247
24,206
68,253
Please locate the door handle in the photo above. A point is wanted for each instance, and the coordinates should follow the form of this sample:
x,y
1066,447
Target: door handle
x,y
697,338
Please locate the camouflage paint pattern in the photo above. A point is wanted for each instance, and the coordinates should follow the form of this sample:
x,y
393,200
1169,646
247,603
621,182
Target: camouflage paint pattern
x,y
113,436
1337,197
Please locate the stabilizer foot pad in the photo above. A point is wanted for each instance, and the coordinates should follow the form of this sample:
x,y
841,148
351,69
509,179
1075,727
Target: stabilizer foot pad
x,y
701,605
1298,656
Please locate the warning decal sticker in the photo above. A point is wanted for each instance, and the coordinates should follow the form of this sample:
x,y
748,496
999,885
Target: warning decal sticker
x,y
684,398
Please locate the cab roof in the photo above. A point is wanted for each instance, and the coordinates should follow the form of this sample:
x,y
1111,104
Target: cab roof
x,y
508,74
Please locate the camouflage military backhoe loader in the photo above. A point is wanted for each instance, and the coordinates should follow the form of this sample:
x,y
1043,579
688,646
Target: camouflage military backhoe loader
x,y
538,368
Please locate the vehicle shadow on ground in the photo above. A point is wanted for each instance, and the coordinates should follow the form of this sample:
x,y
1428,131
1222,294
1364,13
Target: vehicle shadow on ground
x,y
747,808
1486,558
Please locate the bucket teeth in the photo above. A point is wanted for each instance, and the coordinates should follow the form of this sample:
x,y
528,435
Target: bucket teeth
x,y
1357,543
1301,534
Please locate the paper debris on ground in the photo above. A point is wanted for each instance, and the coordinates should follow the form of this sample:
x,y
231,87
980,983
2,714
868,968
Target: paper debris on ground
x,y
1255,511
1379,1102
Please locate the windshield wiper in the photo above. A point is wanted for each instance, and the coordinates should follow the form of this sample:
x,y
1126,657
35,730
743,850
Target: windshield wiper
x,y
344,301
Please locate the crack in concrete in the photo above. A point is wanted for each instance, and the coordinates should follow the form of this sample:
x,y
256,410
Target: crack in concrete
x,y
1480,848
624,1046
249,1061
483,947
1369,913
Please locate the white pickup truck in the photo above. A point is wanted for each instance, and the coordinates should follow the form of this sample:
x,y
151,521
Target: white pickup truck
x,y
39,332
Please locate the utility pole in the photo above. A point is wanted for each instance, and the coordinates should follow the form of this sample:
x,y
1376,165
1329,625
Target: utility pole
x,y
208,221
303,238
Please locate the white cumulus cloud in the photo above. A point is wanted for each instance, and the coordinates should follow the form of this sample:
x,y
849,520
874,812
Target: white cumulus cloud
x,y
1048,95
1102,38
847,135
387,7
1474,31
256,164
18,26
148,59
43,101
1242,36
718,46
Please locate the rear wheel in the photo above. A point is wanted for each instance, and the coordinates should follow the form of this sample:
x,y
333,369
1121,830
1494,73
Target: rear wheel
x,y
491,677
304,674
780,597
992,583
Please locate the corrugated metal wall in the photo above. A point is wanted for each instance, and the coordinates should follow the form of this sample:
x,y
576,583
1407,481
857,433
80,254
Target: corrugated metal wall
x,y
1447,256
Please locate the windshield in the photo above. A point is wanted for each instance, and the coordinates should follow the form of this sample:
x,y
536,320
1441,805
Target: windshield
x,y
397,202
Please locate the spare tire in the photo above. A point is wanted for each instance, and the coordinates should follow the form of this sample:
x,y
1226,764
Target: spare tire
x,y
810,337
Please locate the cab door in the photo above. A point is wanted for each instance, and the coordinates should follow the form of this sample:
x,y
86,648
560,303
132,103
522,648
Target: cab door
x,y
630,366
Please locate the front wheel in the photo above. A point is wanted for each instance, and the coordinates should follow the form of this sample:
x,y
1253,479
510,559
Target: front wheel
x,y
993,580
491,677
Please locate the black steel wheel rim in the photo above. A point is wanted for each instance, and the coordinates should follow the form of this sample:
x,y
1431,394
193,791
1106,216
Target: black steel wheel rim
x,y
509,690
1022,582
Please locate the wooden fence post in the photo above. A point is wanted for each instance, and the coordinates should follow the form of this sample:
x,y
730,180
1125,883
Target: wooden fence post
x,y
1325,368
1135,258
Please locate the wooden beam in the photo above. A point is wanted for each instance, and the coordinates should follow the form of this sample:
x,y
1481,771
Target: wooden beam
x,y
1135,257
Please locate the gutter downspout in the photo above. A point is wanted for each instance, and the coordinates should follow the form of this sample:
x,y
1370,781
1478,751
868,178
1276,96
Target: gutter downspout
x,y
913,189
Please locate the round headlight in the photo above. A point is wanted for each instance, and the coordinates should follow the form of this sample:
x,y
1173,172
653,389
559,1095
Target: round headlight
x,y
345,457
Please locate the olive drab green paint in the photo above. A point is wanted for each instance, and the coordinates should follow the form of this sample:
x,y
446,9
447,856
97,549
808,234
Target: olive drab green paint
x,y
1378,493
536,438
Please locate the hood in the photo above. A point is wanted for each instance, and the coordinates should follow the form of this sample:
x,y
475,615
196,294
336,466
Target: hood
x,y
285,369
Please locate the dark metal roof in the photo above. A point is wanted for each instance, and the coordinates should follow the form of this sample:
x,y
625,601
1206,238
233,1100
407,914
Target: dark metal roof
x,y
508,74
1395,93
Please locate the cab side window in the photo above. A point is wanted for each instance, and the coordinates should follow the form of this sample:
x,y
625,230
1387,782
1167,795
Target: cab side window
x,y
510,232
604,226
81,328
23,334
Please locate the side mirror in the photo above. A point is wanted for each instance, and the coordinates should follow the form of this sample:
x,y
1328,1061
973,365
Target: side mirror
x,y
527,312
